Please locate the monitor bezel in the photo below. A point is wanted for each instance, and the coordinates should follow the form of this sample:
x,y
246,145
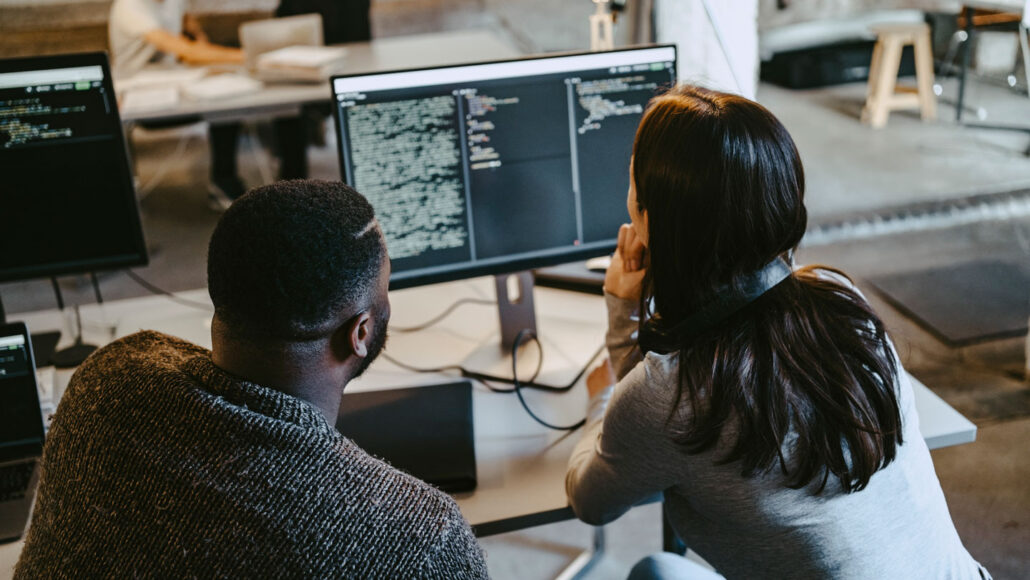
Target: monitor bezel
x,y
573,254
137,255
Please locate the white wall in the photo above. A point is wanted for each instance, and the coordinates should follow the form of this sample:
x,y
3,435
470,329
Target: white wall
x,y
731,65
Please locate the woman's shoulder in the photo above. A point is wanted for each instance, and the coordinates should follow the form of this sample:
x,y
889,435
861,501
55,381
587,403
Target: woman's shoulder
x,y
652,384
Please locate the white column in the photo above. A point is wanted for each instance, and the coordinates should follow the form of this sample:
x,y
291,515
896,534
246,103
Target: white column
x,y
696,33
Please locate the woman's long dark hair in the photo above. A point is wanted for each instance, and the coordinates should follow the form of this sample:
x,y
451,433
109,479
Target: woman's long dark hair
x,y
722,184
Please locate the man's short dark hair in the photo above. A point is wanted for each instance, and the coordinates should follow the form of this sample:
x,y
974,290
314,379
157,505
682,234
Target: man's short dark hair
x,y
287,259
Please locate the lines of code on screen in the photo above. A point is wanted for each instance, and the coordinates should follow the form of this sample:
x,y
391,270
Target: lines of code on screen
x,y
36,118
496,170
65,196
520,168
407,160
607,111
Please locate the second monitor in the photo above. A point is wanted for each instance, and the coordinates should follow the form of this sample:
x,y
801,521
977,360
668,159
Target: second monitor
x,y
497,167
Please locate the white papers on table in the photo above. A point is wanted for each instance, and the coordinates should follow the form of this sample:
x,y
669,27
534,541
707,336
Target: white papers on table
x,y
149,78
221,87
302,56
148,99
301,62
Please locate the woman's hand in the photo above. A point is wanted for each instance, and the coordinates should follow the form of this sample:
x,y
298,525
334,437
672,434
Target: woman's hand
x,y
600,378
626,272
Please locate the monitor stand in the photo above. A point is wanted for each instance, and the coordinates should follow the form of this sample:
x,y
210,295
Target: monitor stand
x,y
561,341
515,307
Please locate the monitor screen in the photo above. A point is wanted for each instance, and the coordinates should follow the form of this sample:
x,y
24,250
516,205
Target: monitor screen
x,y
497,167
67,202
21,423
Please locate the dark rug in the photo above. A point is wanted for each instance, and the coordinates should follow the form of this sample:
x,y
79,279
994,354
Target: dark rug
x,y
965,303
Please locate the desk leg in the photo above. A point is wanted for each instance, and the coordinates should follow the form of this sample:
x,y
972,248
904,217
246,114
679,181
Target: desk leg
x,y
670,541
585,559
967,53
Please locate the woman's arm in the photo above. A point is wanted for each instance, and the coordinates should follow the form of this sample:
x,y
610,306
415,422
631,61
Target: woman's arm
x,y
624,458
621,338
192,52
622,287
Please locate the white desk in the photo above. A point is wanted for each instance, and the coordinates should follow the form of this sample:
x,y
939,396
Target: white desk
x,y
285,99
520,465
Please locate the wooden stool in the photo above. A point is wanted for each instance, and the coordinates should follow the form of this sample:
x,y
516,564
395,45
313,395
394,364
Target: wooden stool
x,y
883,74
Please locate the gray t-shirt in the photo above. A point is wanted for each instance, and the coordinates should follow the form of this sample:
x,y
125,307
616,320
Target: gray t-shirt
x,y
130,21
757,527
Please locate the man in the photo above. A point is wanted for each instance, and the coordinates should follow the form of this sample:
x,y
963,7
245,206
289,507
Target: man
x,y
142,31
167,459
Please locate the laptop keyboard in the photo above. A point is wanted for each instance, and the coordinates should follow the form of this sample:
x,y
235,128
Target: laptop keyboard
x,y
14,480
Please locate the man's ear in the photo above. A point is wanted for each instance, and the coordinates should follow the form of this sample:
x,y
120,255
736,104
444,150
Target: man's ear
x,y
353,336
359,333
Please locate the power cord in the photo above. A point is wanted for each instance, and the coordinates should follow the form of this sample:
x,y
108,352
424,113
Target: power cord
x,y
485,379
162,292
518,386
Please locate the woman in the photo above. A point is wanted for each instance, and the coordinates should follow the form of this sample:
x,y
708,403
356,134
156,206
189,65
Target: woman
x,y
768,405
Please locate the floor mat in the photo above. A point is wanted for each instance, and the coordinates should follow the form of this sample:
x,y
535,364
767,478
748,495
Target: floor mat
x,y
963,304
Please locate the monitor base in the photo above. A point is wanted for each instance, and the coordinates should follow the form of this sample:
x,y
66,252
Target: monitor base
x,y
72,356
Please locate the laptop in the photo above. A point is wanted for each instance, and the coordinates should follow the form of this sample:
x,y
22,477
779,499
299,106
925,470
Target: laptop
x,y
258,37
21,430
425,431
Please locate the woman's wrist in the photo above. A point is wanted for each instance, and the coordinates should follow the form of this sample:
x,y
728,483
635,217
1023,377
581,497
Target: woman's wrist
x,y
598,403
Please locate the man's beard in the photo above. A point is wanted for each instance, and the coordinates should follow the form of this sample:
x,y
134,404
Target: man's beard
x,y
375,347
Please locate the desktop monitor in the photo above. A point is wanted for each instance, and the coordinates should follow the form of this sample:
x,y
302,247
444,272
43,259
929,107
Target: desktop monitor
x,y
67,203
497,167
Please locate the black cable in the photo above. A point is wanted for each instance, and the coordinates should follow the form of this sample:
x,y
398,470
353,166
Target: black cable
x,y
442,315
485,379
96,287
518,387
482,378
57,293
161,292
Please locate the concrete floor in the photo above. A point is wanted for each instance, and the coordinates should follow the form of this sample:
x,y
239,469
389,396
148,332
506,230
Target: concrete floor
x,y
856,176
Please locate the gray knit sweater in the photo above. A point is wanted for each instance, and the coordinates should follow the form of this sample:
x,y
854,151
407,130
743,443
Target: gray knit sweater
x,y
159,464
757,527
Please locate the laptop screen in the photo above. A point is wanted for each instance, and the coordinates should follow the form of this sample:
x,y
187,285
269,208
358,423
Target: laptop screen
x,y
21,422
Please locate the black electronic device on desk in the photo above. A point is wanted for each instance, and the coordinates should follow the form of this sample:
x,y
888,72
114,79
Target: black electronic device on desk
x,y
498,167
67,196
21,430
426,431
577,276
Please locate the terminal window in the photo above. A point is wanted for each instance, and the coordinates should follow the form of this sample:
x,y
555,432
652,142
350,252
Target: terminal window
x,y
482,171
64,188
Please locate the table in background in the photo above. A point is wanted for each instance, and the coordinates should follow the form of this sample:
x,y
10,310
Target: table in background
x,y
286,99
520,465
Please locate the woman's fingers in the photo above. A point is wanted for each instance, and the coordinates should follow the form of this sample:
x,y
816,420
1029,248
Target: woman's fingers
x,y
624,275
631,247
